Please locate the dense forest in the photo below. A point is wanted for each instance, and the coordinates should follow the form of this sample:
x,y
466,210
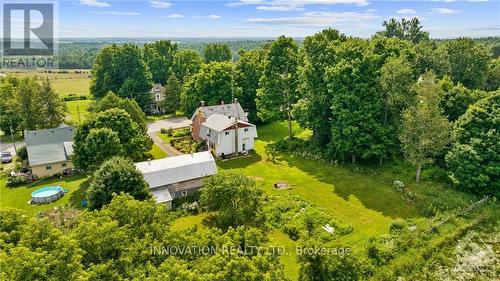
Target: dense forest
x,y
81,55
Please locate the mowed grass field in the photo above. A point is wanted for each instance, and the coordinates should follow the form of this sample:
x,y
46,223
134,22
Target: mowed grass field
x,y
19,196
367,202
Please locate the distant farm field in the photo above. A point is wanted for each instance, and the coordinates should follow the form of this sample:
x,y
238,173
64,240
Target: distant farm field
x,y
64,82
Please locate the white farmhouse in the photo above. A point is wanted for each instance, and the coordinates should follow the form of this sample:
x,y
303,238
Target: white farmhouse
x,y
228,135
178,176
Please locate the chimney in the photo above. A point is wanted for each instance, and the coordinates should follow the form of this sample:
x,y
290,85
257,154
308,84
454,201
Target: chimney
x,y
202,103
149,162
222,102
235,101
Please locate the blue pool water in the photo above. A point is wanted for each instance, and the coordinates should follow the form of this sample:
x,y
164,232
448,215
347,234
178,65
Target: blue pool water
x,y
46,191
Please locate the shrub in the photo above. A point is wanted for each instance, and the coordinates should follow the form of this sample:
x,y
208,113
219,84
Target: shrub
x,y
192,208
22,153
73,97
167,131
292,232
17,180
191,198
181,133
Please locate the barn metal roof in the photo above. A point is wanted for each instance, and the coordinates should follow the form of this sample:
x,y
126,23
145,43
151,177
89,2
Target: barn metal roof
x,y
176,169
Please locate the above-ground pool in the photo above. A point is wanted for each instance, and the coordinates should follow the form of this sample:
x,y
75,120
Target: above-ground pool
x,y
46,194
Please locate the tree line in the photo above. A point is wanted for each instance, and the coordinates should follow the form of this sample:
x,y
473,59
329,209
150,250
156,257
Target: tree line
x,y
365,100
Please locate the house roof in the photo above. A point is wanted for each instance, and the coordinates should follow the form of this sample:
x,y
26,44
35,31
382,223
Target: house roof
x,y
220,122
176,169
157,88
49,145
231,110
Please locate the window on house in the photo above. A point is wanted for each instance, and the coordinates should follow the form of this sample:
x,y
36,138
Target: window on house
x,y
184,193
63,165
157,97
226,133
245,130
48,167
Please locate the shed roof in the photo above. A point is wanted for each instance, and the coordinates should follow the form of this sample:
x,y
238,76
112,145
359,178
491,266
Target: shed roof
x,y
231,109
49,145
176,169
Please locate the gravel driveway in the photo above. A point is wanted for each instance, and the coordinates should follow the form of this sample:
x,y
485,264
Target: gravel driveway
x,y
174,123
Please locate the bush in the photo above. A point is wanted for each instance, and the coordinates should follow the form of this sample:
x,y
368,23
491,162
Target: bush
x,y
167,131
22,153
17,180
191,198
73,97
192,208
292,232
181,133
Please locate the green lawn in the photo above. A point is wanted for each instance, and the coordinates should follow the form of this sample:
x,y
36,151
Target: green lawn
x,y
186,222
19,197
156,152
366,201
77,110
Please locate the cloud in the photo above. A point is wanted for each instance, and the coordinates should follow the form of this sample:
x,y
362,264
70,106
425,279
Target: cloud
x,y
159,4
114,13
175,16
293,5
406,12
315,19
445,11
284,8
95,3
210,17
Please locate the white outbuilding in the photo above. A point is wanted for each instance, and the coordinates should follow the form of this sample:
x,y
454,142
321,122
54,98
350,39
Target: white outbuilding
x,y
178,176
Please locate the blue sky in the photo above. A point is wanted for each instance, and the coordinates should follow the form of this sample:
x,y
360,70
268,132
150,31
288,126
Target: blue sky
x,y
270,18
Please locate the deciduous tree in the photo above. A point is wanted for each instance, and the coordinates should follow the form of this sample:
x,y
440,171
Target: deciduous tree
x,y
249,69
213,83
120,69
133,141
408,29
467,61
235,198
313,110
425,130
217,52
186,63
474,159
159,57
278,85
116,175
172,95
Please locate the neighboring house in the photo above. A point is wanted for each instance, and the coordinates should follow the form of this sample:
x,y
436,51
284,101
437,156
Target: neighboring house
x,y
49,150
157,97
204,112
228,135
177,176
